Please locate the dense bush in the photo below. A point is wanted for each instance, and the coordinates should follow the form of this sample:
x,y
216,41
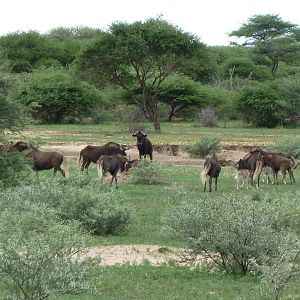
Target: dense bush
x,y
262,104
290,146
234,231
14,169
40,255
53,95
204,146
147,172
98,209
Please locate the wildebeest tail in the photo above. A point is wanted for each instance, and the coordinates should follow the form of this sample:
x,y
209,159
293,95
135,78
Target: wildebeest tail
x,y
294,162
205,172
100,169
258,169
78,161
65,168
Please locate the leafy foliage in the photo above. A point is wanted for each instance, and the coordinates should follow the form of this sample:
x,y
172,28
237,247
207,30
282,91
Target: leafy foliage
x,y
204,146
290,146
147,172
141,53
233,231
262,104
207,117
40,255
53,95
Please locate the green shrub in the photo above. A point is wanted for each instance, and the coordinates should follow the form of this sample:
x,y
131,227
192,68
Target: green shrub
x,y
233,230
290,146
14,169
100,212
96,207
204,146
147,172
40,255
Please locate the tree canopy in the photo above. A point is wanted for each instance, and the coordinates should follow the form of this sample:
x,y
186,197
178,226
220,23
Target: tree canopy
x,y
145,53
270,36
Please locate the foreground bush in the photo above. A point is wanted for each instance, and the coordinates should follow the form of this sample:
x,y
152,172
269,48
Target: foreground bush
x,y
14,169
234,231
204,146
99,209
40,255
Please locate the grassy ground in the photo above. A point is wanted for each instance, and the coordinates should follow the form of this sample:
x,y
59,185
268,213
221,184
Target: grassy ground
x,y
175,133
149,203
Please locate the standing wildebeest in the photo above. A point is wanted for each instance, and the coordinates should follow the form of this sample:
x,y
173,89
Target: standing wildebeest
x,y
143,143
212,168
253,162
111,164
280,163
92,153
42,160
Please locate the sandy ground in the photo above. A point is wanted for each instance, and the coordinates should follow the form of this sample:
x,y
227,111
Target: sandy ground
x,y
182,158
138,254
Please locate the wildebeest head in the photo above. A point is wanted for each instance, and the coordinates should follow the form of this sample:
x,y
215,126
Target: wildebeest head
x,y
140,136
19,147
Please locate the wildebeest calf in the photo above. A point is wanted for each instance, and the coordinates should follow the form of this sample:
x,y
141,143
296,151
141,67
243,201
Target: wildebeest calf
x,y
111,164
242,176
212,168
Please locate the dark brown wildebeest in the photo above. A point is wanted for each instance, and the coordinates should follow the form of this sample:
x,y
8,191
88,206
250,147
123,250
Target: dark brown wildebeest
x,y
111,164
280,163
212,168
43,160
143,143
92,153
253,162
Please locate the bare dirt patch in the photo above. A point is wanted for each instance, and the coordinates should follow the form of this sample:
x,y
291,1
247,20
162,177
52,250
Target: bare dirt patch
x,y
181,158
138,254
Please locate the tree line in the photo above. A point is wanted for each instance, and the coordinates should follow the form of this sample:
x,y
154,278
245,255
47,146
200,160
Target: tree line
x,y
155,69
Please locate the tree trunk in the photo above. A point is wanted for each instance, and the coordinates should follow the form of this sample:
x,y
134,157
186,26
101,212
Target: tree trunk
x,y
156,123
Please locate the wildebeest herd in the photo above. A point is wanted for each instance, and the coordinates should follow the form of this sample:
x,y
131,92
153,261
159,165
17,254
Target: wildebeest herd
x,y
112,158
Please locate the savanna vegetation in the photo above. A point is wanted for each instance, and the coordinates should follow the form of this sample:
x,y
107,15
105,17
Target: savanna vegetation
x,y
87,86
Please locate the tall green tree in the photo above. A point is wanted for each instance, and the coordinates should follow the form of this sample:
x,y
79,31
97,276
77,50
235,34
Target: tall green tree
x,y
271,37
12,114
143,53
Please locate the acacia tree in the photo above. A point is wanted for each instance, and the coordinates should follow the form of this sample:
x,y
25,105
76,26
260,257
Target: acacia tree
x,y
270,36
143,53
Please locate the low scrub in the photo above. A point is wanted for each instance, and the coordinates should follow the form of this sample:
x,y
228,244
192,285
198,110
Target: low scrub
x,y
99,209
204,146
40,254
290,146
147,172
235,232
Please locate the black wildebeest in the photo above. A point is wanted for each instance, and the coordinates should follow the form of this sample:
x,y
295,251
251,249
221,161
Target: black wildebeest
x,y
111,164
92,153
212,168
42,160
143,143
253,162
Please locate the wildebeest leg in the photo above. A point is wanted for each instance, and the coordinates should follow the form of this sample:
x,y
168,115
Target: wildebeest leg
x,y
216,183
62,172
210,182
283,176
150,155
204,186
292,178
